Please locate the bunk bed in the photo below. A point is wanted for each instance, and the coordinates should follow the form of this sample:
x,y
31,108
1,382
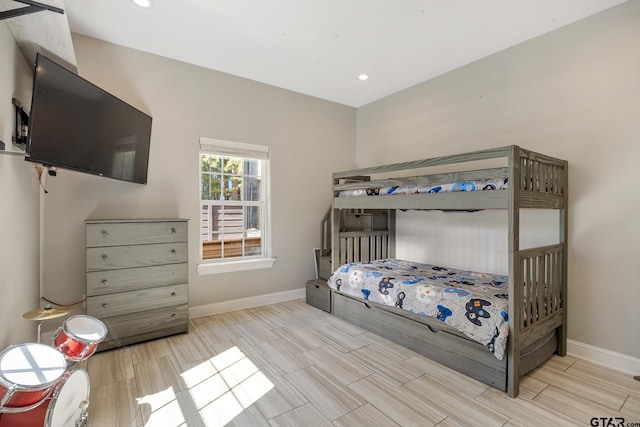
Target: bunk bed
x,y
534,295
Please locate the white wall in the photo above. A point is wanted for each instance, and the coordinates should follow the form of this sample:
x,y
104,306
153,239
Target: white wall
x,y
573,93
19,206
308,137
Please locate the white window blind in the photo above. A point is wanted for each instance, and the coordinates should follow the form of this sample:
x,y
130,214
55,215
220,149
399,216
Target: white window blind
x,y
232,148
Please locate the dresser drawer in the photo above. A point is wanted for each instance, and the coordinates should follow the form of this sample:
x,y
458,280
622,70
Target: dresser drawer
x,y
135,233
109,305
109,258
168,320
131,279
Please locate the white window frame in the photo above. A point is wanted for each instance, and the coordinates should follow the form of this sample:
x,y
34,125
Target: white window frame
x,y
252,151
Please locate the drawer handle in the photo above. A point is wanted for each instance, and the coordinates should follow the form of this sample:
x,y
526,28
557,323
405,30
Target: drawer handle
x,y
105,234
174,316
105,258
173,230
173,294
435,331
317,286
105,306
105,282
173,252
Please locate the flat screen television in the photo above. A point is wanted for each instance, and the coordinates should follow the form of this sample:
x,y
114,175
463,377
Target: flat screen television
x,y
78,126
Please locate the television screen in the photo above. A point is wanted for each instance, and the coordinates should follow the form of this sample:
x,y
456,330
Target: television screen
x,y
76,125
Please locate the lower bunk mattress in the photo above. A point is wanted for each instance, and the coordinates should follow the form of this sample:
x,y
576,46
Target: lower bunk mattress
x,y
475,304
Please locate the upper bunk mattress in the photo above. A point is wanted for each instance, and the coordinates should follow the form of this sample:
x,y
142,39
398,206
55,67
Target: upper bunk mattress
x,y
474,303
453,187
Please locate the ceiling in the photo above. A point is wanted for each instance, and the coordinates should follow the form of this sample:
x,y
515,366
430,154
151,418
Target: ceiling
x,y
320,47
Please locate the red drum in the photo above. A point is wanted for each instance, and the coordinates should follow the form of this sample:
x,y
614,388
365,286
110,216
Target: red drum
x,y
79,336
67,407
28,373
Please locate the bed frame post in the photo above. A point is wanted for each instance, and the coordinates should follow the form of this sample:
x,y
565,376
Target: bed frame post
x,y
391,226
335,231
515,282
562,330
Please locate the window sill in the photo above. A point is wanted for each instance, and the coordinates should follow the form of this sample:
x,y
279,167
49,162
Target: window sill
x,y
205,268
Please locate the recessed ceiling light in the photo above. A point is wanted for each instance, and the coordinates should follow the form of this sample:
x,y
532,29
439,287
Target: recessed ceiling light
x,y
143,3
363,77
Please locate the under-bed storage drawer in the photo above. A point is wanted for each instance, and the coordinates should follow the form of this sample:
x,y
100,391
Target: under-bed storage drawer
x,y
319,294
426,336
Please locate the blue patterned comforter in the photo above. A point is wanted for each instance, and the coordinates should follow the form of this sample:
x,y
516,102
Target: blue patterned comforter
x,y
454,187
474,303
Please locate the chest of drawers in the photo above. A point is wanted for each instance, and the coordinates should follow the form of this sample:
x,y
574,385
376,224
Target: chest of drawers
x,y
137,278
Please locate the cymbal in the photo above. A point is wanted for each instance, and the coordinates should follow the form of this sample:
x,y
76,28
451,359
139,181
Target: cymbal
x,y
45,313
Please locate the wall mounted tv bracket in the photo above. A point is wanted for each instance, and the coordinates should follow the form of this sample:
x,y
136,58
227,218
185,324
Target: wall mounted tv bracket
x,y
32,7
21,125
20,133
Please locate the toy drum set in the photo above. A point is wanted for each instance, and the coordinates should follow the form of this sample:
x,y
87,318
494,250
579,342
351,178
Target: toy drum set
x,y
38,385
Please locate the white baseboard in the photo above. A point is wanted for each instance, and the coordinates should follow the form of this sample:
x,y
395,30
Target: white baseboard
x,y
244,303
602,356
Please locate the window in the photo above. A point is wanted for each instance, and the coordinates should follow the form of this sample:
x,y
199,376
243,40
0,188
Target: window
x,y
234,209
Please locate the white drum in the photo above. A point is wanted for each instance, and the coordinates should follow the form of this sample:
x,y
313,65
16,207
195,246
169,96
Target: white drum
x,y
79,336
28,374
67,407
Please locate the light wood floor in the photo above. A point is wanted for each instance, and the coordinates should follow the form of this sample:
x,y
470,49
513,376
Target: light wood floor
x,y
290,364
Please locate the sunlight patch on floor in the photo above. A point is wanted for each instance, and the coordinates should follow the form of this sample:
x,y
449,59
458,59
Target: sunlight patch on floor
x,y
165,409
220,388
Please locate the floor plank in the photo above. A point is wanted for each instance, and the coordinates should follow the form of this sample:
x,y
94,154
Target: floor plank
x,y
283,356
448,400
447,376
400,405
340,339
254,332
576,407
214,329
344,368
612,399
365,416
331,399
115,404
306,415
631,407
281,398
158,374
386,362
524,412
300,337
613,380
110,367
